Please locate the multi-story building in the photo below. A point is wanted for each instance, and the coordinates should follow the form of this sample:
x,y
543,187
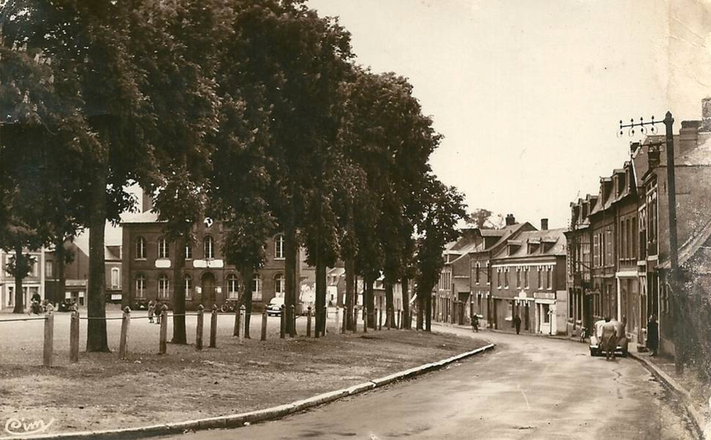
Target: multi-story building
x,y
148,261
31,284
529,281
580,293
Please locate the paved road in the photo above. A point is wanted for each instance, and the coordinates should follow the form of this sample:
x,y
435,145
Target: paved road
x,y
528,388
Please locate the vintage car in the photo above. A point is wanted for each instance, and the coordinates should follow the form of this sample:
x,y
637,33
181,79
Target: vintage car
x,y
596,348
274,306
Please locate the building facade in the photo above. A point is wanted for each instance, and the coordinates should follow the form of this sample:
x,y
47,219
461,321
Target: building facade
x,y
31,284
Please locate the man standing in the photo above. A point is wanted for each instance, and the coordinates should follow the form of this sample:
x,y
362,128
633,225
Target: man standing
x,y
475,323
653,335
517,324
609,338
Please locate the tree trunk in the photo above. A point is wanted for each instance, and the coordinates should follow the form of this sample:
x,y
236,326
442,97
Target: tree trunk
x,y
320,305
179,333
420,310
428,309
350,286
369,301
407,323
96,340
247,273
290,294
19,263
389,304
61,260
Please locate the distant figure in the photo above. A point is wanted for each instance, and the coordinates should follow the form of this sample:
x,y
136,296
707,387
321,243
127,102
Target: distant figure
x,y
653,335
475,323
151,311
517,324
609,338
36,297
158,311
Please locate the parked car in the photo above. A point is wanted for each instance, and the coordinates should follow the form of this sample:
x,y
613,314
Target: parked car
x,y
274,306
596,348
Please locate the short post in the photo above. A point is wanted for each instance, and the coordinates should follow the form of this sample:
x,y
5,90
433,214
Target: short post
x,y
380,318
236,331
125,322
389,317
282,322
365,320
308,323
200,325
163,347
213,327
400,321
264,324
345,320
74,337
338,315
355,319
241,313
293,321
48,339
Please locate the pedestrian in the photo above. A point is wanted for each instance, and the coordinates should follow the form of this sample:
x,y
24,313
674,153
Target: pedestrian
x,y
151,310
475,323
158,310
517,324
653,334
609,338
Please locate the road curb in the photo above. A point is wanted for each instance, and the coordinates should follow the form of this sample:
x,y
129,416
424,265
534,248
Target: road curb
x,y
696,417
239,420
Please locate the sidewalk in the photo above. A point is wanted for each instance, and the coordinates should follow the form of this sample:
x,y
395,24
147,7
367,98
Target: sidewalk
x,y
695,394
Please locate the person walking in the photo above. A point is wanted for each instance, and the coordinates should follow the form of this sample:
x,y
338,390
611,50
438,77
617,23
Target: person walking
x,y
151,311
158,311
653,334
475,323
609,338
517,324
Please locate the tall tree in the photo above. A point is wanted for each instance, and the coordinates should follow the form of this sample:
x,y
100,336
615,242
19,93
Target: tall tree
x,y
444,209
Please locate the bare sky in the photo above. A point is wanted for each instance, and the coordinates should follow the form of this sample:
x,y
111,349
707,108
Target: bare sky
x,y
529,93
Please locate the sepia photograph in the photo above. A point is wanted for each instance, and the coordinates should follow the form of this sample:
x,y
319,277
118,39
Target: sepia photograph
x,y
355,219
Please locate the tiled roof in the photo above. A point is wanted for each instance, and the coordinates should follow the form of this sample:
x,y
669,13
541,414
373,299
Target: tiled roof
x,y
555,236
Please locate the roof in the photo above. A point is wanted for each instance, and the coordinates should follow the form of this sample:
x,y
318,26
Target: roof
x,y
492,232
112,253
139,217
554,236
700,155
692,246
336,272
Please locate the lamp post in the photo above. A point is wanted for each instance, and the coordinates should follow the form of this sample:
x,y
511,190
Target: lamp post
x,y
674,282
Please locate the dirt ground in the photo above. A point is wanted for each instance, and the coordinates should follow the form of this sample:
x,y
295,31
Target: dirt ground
x,y
102,392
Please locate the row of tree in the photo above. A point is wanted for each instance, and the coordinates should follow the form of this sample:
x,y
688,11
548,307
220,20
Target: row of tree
x,y
250,111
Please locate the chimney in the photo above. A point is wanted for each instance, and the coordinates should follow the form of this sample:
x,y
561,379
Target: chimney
x,y
544,224
706,114
510,220
634,146
688,136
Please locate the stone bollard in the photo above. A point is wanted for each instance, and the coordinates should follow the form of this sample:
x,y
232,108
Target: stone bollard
x,y
200,326
163,347
213,327
365,320
380,318
48,339
241,313
308,324
345,320
74,337
400,321
389,317
264,324
355,319
125,323
282,322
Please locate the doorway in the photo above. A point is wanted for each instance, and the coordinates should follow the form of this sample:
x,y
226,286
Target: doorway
x,y
208,289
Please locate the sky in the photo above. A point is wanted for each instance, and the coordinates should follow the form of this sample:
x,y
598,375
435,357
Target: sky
x,y
529,94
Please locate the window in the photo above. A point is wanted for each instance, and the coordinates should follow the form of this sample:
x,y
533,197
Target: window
x,y
525,276
279,246
498,278
488,273
163,248
232,286
209,247
188,252
115,278
279,285
549,271
163,287
476,273
256,287
140,286
540,278
48,269
188,281
140,248
10,296
509,310
518,277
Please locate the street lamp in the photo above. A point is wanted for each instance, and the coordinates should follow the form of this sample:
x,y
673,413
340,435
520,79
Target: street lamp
x,y
668,122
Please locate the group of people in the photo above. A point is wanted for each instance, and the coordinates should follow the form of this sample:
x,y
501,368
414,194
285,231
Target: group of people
x,y
154,309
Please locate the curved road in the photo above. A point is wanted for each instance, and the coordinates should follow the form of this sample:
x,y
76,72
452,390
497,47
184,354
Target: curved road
x,y
527,388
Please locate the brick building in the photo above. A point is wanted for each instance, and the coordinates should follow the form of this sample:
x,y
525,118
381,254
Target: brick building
x,y
148,259
579,267
529,279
